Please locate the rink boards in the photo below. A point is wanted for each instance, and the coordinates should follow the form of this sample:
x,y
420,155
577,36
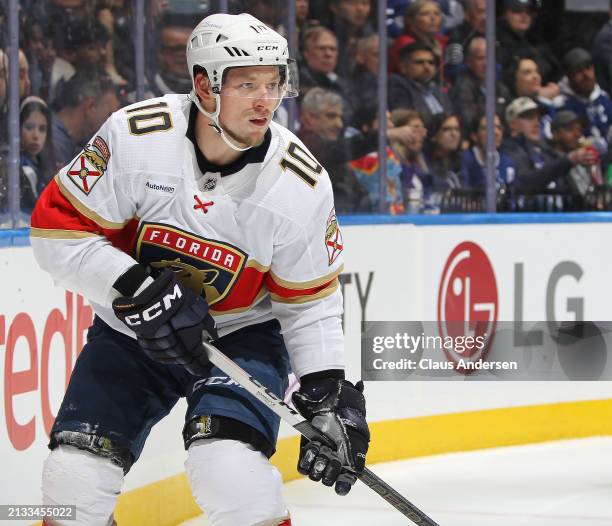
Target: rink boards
x,y
393,272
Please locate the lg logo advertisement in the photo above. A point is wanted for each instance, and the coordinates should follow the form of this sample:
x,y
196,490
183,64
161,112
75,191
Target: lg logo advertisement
x,y
468,302
484,327
557,346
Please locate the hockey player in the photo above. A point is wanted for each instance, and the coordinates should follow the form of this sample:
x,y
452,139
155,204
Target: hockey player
x,y
189,216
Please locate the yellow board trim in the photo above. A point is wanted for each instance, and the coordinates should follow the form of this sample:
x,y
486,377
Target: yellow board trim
x,y
168,502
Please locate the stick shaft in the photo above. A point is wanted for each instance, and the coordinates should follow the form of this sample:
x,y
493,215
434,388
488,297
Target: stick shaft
x,y
293,418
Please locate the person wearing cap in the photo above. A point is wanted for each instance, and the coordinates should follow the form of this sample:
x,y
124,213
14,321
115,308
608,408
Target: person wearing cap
x,y
514,40
566,138
537,164
581,94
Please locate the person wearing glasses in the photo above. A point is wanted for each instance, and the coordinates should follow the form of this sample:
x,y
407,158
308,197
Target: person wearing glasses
x,y
171,74
415,88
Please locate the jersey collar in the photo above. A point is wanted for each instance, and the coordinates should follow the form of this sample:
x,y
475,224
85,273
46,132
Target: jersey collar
x,y
252,155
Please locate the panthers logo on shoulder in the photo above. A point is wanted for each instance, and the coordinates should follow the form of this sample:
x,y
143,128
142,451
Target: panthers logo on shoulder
x,y
333,237
90,166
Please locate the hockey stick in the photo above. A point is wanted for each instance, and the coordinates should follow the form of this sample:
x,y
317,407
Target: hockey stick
x,y
293,418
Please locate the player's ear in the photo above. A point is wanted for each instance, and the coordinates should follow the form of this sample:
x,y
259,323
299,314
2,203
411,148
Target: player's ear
x,y
203,87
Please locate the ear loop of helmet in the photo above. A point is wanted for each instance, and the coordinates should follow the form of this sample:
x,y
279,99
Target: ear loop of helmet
x,y
215,118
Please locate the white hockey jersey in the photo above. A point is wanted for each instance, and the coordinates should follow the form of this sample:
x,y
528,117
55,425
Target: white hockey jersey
x,y
259,238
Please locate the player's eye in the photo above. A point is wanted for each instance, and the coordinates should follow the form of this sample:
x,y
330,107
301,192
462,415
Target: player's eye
x,y
272,86
246,85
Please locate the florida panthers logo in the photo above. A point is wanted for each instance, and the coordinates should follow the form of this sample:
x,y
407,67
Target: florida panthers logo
x,y
333,237
207,267
90,166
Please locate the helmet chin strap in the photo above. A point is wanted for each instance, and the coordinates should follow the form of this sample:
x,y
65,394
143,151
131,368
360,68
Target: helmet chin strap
x,y
215,118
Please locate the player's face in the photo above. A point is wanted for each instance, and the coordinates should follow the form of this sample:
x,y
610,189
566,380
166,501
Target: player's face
x,y
248,99
34,133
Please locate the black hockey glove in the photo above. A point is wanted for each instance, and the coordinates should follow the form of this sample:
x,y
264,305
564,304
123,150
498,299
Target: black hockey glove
x,y
337,408
168,319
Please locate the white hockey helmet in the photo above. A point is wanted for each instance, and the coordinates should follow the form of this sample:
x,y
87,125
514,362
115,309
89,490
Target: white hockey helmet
x,y
224,41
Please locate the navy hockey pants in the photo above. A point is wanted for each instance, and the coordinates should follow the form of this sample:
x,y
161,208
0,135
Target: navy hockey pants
x,y
118,393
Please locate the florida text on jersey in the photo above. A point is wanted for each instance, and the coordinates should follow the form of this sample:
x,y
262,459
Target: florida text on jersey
x,y
259,237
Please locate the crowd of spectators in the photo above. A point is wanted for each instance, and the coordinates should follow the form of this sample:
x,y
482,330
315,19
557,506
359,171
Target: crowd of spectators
x,y
554,71
553,114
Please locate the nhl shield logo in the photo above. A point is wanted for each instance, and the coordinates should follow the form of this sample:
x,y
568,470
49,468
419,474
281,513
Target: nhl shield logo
x,y
333,237
210,184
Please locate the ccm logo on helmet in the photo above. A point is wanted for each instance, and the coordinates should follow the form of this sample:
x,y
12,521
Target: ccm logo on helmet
x,y
156,309
267,48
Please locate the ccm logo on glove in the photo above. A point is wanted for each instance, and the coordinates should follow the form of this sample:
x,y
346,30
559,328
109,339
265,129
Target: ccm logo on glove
x,y
154,310
169,320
